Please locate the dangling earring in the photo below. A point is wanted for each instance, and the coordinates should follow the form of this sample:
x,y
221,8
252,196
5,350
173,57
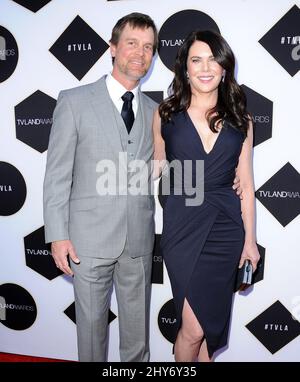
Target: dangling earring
x,y
187,77
223,75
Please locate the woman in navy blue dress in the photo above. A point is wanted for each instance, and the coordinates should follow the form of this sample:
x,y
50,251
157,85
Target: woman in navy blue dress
x,y
205,120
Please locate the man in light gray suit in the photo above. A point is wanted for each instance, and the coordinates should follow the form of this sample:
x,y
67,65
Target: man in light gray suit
x,y
108,236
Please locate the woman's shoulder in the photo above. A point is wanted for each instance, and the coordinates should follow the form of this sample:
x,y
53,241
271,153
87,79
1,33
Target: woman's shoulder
x,y
175,118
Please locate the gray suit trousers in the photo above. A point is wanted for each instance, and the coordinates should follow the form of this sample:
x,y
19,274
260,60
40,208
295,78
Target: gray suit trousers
x,y
93,279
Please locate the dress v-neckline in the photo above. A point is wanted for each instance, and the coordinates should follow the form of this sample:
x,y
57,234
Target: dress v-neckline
x,y
199,137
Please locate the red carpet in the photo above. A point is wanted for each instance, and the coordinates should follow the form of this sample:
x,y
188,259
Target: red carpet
x,y
7,357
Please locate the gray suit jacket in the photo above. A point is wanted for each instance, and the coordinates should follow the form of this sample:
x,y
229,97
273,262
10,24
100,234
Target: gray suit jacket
x,y
84,132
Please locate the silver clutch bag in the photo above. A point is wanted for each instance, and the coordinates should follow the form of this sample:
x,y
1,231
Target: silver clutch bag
x,y
244,276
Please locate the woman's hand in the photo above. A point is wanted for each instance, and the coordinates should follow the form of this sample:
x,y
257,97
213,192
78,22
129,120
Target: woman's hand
x,y
237,187
250,252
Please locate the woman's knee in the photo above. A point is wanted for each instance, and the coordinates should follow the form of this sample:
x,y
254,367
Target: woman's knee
x,y
192,334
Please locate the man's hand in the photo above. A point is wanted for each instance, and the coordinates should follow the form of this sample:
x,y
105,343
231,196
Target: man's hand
x,y
236,186
60,251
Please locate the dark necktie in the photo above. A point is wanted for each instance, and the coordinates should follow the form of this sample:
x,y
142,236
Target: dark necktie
x,y
127,112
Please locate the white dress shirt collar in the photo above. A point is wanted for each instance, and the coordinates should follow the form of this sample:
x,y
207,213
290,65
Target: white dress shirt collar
x,y
116,91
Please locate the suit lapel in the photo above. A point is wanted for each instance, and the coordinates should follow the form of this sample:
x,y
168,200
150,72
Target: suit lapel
x,y
103,108
146,118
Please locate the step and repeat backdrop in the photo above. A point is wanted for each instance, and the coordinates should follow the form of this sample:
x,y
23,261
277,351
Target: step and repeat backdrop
x,y
47,46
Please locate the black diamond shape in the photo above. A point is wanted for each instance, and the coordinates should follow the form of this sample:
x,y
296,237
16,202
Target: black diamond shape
x,y
79,47
33,118
258,275
283,38
281,194
38,255
157,96
275,327
261,109
157,276
70,312
32,5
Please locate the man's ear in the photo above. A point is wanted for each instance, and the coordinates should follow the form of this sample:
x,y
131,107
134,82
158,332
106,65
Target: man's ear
x,y
113,50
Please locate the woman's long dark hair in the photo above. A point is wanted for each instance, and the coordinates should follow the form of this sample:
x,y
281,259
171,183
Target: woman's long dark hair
x,y
231,104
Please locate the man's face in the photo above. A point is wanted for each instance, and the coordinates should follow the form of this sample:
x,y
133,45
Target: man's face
x,y
133,54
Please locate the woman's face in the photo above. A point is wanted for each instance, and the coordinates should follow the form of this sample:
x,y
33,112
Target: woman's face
x,y
204,73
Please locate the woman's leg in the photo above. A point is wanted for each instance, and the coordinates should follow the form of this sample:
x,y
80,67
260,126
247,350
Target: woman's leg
x,y
189,338
203,353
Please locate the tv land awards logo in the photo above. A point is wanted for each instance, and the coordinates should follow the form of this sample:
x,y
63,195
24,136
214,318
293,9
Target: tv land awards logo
x,y
176,28
157,276
70,312
17,307
281,194
33,118
167,321
79,48
261,109
38,255
283,41
12,189
33,6
275,327
9,54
